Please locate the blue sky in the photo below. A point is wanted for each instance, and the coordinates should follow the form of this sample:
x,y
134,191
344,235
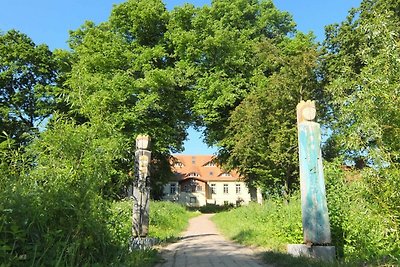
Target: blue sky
x,y
48,21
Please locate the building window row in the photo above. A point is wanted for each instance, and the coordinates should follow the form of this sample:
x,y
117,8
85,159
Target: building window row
x,y
238,188
192,187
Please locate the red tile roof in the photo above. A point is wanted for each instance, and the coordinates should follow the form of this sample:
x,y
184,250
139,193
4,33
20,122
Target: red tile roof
x,y
199,167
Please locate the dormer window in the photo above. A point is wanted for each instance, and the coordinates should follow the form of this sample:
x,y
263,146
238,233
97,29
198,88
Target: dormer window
x,y
178,164
210,164
193,174
226,174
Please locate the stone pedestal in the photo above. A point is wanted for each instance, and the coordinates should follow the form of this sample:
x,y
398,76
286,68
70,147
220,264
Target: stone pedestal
x,y
142,243
325,253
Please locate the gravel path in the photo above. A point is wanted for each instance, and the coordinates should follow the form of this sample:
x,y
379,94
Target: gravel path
x,y
203,246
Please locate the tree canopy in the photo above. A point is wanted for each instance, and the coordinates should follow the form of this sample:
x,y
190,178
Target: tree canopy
x,y
27,74
261,137
361,72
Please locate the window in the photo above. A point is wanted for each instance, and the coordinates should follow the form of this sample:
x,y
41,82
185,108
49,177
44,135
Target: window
x,y
172,189
226,191
193,174
238,189
193,200
225,174
178,164
191,186
186,189
213,188
210,164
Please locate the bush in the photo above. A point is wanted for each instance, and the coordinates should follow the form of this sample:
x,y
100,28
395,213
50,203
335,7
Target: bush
x,y
362,230
53,212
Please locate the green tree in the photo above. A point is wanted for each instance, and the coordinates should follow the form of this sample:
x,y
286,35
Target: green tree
x,y
361,67
124,76
27,74
361,72
215,46
261,138
240,63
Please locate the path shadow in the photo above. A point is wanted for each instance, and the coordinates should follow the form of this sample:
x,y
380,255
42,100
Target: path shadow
x,y
212,208
244,236
194,236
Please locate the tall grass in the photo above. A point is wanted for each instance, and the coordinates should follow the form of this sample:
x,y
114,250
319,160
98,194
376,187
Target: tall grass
x,y
167,220
271,225
113,228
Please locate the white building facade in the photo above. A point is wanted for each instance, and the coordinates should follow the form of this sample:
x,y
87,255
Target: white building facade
x,y
198,181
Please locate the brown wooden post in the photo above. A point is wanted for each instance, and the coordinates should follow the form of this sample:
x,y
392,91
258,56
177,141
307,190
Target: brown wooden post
x,y
141,187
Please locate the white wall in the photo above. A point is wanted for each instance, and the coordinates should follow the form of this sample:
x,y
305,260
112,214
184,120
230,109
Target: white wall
x,y
195,199
219,198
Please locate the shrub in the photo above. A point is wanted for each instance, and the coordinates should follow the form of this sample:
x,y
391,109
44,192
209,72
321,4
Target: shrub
x,y
361,228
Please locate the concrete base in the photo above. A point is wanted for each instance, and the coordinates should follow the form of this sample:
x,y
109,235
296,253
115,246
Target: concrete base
x,y
326,253
142,243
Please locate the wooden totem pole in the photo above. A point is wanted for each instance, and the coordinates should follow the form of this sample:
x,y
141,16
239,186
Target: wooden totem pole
x,y
141,187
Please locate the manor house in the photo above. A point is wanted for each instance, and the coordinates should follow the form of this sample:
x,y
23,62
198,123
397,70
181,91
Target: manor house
x,y
198,181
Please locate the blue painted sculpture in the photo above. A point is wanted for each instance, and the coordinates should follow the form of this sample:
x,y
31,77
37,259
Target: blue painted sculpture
x,y
316,227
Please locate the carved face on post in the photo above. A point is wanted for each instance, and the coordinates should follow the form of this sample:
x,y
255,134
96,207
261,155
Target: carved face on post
x,y
143,163
142,142
306,111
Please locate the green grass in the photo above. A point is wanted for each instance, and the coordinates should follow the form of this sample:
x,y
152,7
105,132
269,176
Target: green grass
x,y
168,220
271,225
284,260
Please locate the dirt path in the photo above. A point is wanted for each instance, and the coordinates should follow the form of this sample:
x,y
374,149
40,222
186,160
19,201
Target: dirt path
x,y
202,246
